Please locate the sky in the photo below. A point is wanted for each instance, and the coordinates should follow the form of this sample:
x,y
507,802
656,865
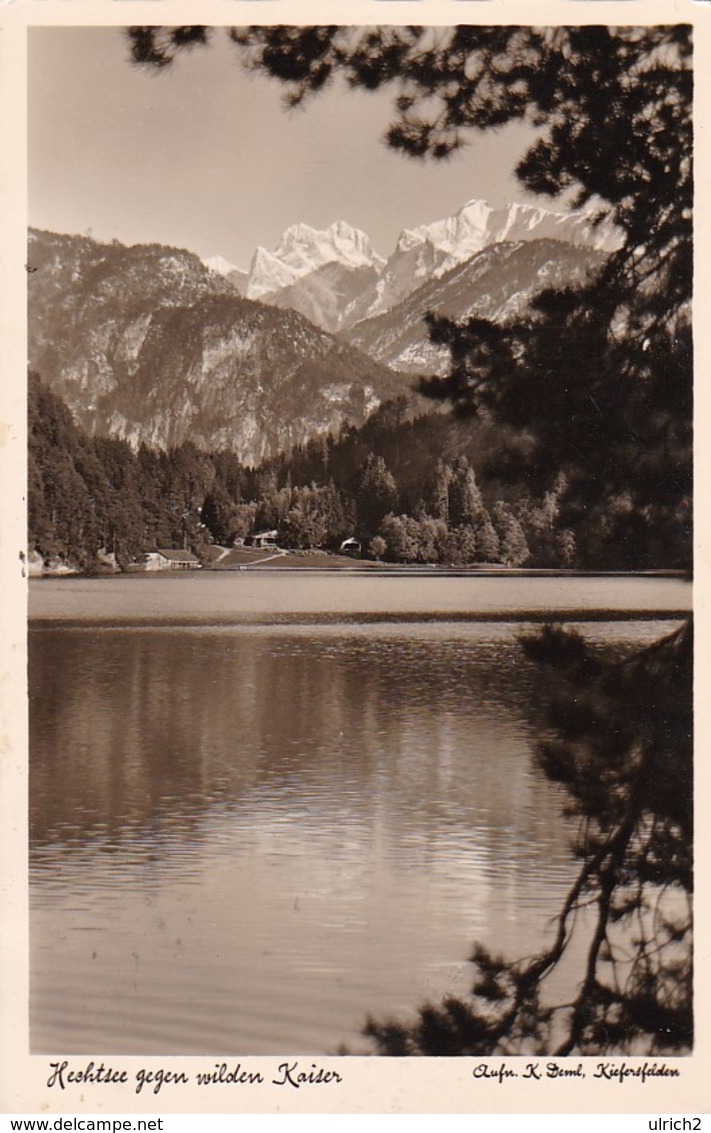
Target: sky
x,y
205,157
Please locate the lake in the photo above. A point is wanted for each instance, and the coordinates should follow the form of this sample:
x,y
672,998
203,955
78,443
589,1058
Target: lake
x,y
263,806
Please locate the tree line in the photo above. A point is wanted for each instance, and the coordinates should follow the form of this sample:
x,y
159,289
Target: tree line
x,y
407,487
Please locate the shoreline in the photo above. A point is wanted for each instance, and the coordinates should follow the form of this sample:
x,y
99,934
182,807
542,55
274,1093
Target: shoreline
x,y
424,570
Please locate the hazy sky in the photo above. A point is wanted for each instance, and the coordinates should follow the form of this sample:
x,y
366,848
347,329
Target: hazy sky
x,y
205,157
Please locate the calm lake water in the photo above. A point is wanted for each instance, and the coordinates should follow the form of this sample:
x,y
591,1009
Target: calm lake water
x,y
264,806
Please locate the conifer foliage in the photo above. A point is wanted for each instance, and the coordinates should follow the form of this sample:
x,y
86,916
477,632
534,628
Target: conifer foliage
x,y
90,497
627,918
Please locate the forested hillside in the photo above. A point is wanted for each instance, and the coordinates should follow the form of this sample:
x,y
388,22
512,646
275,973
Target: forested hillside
x,y
427,488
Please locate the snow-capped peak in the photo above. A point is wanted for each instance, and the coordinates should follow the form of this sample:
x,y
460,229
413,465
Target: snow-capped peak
x,y
302,249
422,253
220,265
430,250
478,224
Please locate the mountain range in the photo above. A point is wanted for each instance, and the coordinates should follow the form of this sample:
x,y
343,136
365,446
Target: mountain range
x,y
153,345
145,343
335,278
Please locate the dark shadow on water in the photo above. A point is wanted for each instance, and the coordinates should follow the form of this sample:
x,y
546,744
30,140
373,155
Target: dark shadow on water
x,y
618,735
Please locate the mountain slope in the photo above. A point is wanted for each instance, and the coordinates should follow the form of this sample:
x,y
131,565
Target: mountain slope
x,y
497,284
147,344
332,297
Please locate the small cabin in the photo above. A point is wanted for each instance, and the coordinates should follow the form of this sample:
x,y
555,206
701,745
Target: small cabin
x,y
166,558
265,540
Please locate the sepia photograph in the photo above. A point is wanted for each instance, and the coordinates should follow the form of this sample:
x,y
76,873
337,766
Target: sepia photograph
x,y
359,542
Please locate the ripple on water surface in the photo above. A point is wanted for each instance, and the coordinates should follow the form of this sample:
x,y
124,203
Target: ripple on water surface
x,y
246,837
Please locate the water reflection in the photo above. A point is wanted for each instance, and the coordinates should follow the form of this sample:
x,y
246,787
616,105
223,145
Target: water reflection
x,y
244,838
130,728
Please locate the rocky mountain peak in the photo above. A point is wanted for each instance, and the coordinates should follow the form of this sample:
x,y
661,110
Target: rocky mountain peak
x,y
478,225
303,249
